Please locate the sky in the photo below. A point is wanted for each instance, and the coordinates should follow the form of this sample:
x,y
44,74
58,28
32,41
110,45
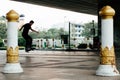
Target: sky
x,y
44,17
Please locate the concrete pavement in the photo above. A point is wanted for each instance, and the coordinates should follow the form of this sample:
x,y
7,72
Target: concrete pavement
x,y
56,65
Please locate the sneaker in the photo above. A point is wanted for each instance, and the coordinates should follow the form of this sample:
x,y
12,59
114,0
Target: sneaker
x,y
32,48
27,50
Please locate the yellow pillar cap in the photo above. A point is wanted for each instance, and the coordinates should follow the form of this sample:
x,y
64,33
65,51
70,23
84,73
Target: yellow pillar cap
x,y
107,12
12,16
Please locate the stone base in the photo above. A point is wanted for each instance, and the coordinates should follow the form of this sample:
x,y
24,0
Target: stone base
x,y
12,68
107,70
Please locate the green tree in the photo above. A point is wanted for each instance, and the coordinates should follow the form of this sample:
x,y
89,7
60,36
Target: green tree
x,y
90,30
50,33
3,27
53,33
21,41
33,35
42,34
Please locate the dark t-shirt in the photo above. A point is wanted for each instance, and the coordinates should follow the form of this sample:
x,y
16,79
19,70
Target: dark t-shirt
x,y
26,28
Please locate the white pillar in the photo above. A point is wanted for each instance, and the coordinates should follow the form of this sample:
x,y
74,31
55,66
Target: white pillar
x,y
12,65
41,43
37,44
107,65
46,43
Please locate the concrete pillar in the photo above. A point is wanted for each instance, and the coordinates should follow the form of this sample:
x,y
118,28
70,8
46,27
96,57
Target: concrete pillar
x,y
88,47
12,53
47,43
107,65
37,44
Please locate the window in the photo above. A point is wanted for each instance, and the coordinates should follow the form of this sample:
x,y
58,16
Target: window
x,y
79,26
76,35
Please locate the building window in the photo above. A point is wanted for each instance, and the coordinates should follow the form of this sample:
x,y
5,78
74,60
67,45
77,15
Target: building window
x,y
76,35
76,26
72,35
75,30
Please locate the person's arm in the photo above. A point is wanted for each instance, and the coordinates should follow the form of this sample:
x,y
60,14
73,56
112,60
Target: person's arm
x,y
34,30
21,28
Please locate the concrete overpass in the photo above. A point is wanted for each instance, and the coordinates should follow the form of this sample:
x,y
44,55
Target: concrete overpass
x,y
82,6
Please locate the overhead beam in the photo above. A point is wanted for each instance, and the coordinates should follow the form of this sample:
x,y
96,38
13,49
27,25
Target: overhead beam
x,y
82,6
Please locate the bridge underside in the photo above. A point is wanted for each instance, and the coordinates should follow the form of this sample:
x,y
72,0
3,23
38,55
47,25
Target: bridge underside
x,y
83,6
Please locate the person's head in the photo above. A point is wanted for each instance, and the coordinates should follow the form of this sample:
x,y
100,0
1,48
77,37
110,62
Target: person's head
x,y
31,22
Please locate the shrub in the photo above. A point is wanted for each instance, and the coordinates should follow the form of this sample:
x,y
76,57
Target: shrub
x,y
82,46
1,44
21,41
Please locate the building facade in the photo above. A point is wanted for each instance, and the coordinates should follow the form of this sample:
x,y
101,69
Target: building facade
x,y
76,33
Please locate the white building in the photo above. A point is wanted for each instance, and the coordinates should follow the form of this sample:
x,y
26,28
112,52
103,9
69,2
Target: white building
x,y
75,33
76,30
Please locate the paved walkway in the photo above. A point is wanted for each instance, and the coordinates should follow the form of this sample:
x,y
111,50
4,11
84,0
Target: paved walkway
x,y
56,65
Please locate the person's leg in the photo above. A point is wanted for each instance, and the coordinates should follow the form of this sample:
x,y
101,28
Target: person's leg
x,y
27,46
30,43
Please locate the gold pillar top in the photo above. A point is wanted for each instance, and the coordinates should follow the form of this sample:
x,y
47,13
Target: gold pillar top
x,y
107,12
12,16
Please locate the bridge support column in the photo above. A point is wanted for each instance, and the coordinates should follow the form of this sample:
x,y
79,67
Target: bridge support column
x,y
12,53
107,65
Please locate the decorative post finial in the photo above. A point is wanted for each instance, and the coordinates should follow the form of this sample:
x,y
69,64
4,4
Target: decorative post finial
x,y
12,16
107,12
